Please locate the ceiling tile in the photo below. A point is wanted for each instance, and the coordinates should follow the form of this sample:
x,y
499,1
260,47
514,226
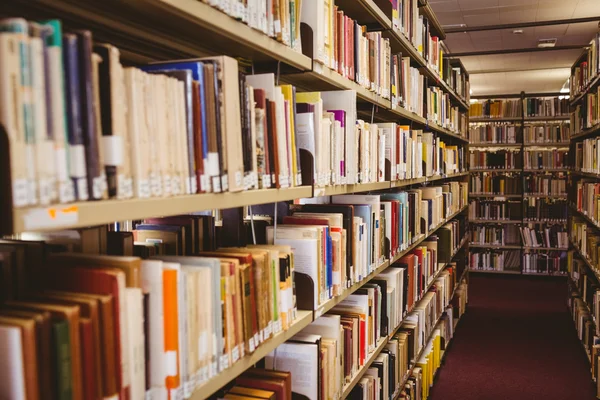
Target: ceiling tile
x,y
550,31
450,18
587,8
477,4
444,6
585,28
555,9
511,17
482,19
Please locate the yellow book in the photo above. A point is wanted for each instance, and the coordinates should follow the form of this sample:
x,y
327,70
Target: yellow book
x,y
437,347
288,95
441,64
308,97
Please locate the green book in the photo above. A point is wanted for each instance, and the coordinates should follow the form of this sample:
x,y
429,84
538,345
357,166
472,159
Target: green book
x,y
61,357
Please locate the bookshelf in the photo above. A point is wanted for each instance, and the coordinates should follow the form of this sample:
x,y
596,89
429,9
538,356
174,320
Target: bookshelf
x,y
158,30
534,124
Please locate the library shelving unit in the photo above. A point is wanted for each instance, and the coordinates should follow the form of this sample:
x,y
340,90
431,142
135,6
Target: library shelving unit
x,y
515,124
584,178
157,30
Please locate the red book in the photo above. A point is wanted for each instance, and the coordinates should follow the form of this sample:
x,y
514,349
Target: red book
x,y
105,281
363,341
88,358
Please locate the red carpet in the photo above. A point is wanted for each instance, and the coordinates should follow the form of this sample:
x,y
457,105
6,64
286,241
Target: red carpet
x,y
516,341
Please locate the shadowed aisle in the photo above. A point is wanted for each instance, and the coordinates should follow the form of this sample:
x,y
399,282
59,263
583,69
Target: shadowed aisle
x,y
516,341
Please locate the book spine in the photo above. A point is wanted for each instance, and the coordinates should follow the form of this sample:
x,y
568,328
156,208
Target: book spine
x,y
77,156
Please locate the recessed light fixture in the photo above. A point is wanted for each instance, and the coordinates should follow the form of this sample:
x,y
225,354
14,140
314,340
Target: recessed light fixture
x,y
545,43
518,32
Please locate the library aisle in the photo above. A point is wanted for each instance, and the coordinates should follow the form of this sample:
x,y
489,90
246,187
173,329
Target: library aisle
x,y
522,328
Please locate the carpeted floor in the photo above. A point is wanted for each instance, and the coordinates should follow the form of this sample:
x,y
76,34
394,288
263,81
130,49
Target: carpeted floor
x,y
516,341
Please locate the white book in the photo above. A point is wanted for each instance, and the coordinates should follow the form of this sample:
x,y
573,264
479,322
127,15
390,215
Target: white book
x,y
306,247
388,131
301,359
328,326
137,129
282,139
135,350
152,284
346,100
314,15
12,375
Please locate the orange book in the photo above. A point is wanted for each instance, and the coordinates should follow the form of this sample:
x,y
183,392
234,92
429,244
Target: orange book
x,y
170,300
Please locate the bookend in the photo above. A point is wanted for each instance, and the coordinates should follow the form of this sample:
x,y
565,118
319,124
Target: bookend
x,y
306,37
6,206
307,163
305,291
388,170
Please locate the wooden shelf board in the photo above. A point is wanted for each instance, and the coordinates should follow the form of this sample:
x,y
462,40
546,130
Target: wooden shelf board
x,y
304,318
544,274
495,246
365,12
494,145
545,196
491,271
323,78
545,248
498,221
349,189
549,118
90,213
586,133
439,129
564,169
496,170
581,95
500,196
476,120
548,144
416,181
409,115
586,174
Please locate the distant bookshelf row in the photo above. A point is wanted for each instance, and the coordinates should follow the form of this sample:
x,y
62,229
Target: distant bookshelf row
x,y
518,156
526,109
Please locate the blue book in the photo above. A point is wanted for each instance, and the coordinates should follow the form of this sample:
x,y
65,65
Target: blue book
x,y
329,263
77,165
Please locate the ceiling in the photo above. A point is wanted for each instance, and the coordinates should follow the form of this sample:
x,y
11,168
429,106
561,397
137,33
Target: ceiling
x,y
513,72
